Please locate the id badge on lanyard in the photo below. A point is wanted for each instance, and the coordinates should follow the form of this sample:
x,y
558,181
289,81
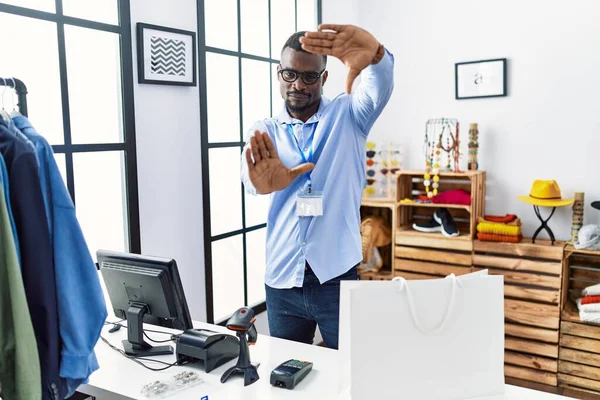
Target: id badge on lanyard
x,y
309,203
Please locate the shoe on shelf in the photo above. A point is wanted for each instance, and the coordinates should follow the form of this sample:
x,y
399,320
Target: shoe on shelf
x,y
442,216
429,226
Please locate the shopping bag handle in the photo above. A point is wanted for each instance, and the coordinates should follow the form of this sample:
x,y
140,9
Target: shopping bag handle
x,y
451,302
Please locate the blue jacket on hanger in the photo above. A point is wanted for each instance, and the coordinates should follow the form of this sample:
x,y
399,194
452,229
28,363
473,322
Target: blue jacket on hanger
x,y
81,307
36,253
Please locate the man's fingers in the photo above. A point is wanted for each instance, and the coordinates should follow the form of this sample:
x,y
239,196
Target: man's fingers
x,y
319,35
317,49
316,42
270,146
262,147
249,159
301,169
331,27
352,74
254,147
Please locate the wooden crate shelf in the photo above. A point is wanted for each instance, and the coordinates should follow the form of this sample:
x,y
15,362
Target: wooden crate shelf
x,y
387,209
409,184
579,351
376,276
532,284
429,256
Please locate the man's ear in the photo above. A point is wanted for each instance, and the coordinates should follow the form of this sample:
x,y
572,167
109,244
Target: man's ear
x,y
324,77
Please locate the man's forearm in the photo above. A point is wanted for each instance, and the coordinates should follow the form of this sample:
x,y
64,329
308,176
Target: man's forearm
x,y
374,91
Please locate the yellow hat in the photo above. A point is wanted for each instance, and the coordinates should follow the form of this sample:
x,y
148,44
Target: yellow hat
x,y
545,194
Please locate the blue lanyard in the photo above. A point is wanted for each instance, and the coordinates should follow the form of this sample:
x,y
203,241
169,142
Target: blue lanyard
x,y
310,154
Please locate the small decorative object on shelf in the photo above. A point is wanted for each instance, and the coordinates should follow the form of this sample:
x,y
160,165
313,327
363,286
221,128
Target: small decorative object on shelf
x,y
577,216
381,181
441,135
473,147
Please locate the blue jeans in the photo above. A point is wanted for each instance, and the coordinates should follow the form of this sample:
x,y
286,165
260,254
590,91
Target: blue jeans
x,y
295,313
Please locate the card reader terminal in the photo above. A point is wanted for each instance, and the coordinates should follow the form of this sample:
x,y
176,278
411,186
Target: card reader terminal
x,y
288,374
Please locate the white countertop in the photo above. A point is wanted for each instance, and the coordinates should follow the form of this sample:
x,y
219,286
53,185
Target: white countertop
x,y
121,378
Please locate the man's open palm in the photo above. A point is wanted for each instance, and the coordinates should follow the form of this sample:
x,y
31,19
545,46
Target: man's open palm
x,y
267,173
353,46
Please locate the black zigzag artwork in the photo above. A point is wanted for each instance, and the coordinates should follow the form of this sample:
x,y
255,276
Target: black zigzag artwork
x,y
167,56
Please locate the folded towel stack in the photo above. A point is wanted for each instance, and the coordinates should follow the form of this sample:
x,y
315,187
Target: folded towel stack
x,y
494,228
589,305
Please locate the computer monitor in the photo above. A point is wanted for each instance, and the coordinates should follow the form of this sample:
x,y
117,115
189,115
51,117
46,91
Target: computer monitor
x,y
144,289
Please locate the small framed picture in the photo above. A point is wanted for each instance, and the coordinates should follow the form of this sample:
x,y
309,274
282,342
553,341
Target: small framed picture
x,y
166,56
478,79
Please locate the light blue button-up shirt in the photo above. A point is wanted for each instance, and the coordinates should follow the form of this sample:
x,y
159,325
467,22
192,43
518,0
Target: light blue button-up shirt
x,y
331,243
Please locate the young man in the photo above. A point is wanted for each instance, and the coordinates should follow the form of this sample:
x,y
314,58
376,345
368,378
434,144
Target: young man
x,y
311,158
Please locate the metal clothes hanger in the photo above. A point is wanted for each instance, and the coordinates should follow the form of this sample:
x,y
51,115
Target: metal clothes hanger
x,y
15,112
3,112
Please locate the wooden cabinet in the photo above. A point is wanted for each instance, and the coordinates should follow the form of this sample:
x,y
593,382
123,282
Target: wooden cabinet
x,y
421,255
532,292
579,352
388,210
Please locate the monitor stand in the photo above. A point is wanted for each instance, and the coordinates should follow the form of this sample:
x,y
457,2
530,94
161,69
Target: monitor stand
x,y
135,345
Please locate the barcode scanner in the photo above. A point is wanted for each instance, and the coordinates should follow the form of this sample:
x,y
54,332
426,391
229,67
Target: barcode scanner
x,y
242,323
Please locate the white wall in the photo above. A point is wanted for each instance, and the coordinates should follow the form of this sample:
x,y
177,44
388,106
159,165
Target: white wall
x,y
169,164
549,125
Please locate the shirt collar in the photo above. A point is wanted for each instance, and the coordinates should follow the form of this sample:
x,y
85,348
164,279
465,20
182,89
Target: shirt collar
x,y
284,116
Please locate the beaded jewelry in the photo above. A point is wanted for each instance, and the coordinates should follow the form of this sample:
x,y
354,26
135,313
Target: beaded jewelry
x,y
433,159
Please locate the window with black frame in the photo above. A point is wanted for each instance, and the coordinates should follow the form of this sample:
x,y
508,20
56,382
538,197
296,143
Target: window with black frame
x,y
75,59
240,44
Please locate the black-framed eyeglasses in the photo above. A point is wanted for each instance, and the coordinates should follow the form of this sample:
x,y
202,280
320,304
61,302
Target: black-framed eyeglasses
x,y
308,77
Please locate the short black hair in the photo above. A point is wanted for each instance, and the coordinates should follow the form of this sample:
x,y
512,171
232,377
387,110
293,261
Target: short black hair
x,y
293,43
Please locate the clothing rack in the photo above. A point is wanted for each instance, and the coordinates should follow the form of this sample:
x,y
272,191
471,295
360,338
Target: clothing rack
x,y
21,91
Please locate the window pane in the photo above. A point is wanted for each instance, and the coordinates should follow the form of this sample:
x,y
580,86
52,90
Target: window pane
x,y
228,276
100,199
257,208
256,242
42,5
283,20
255,27
276,95
94,70
62,166
255,91
307,15
33,58
222,81
225,190
106,11
220,19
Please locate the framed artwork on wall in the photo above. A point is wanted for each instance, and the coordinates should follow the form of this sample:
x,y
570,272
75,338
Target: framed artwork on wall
x,y
480,79
166,56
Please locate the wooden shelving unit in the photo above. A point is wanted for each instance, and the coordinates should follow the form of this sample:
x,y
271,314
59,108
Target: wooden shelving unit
x,y
421,255
579,352
409,184
388,209
532,288
546,344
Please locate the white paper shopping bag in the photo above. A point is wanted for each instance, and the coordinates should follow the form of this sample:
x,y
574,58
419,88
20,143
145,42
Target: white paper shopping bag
x,y
429,339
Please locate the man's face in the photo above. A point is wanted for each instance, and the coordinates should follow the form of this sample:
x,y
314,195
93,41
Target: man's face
x,y
299,95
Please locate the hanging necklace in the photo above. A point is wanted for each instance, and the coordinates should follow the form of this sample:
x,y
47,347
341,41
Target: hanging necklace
x,y
450,147
432,162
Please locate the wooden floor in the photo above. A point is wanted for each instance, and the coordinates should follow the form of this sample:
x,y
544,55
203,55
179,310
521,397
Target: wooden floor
x,y
575,394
